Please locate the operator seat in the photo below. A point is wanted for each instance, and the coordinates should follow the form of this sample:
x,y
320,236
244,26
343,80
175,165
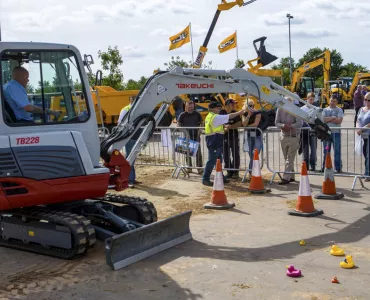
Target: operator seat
x,y
9,113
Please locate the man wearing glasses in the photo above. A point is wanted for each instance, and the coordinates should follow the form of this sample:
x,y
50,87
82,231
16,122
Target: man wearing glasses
x,y
215,130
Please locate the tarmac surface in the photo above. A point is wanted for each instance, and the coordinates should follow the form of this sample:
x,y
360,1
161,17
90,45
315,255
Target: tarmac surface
x,y
241,253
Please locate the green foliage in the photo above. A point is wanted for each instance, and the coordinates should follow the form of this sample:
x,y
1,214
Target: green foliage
x,y
47,86
350,69
111,61
239,63
136,85
284,65
178,61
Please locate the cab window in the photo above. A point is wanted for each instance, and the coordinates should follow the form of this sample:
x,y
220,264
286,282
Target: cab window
x,y
42,88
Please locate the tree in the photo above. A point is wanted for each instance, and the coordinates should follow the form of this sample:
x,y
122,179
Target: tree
x,y
178,61
350,69
136,85
111,61
239,63
284,65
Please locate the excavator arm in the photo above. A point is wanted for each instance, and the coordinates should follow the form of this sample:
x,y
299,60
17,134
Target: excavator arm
x,y
323,59
164,86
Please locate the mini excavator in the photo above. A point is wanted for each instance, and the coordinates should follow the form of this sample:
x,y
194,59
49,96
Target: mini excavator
x,y
55,173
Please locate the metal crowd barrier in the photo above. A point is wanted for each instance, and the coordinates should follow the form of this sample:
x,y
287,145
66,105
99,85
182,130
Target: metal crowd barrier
x,y
170,147
342,153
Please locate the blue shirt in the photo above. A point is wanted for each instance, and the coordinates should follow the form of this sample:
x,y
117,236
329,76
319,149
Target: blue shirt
x,y
16,95
333,112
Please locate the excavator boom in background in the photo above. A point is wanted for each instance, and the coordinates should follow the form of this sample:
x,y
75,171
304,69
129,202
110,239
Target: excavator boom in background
x,y
221,7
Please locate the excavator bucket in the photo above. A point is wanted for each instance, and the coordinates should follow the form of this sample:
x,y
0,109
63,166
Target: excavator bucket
x,y
265,57
132,246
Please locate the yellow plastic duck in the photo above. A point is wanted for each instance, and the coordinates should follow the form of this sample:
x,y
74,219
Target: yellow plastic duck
x,y
302,243
347,263
335,250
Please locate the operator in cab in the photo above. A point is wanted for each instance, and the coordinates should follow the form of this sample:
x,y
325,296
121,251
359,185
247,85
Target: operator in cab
x,y
16,96
215,130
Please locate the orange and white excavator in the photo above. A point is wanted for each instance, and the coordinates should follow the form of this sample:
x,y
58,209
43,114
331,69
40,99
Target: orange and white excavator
x,y
55,172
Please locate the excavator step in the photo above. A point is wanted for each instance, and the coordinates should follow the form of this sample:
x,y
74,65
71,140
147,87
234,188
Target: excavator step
x,y
127,248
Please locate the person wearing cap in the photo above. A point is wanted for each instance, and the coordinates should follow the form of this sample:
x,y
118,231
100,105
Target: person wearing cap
x,y
231,140
192,118
214,130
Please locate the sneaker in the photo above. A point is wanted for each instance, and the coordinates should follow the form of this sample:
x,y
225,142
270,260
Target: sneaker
x,y
131,185
284,181
207,182
235,175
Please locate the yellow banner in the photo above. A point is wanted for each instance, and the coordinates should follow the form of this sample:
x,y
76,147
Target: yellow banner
x,y
228,43
180,39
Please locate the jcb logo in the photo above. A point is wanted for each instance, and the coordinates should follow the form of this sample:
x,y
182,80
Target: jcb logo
x,y
227,44
180,38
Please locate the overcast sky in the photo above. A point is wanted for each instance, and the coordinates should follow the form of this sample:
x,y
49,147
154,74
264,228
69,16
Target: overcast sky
x,y
141,29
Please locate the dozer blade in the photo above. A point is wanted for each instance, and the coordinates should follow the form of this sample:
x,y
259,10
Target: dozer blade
x,y
132,246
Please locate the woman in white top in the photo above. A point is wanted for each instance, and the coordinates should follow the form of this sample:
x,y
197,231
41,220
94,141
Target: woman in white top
x,y
363,121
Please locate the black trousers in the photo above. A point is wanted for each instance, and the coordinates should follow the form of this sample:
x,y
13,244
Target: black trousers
x,y
231,149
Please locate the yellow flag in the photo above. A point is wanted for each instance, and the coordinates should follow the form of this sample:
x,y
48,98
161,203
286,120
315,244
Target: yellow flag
x,y
228,43
180,39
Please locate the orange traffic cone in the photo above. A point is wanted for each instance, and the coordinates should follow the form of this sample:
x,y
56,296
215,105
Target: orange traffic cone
x,y
328,188
305,207
219,200
256,185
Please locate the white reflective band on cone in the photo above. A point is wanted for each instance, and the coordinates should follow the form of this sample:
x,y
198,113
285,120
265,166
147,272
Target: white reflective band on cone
x,y
304,187
219,182
329,174
256,170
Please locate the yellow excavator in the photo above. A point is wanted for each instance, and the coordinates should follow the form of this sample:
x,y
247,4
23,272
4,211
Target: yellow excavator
x,y
345,87
304,85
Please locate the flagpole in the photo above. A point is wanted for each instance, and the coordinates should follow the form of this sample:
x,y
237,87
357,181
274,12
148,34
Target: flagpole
x,y
236,35
191,39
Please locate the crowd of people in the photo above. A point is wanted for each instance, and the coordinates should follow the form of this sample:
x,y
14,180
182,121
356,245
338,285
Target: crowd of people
x,y
223,138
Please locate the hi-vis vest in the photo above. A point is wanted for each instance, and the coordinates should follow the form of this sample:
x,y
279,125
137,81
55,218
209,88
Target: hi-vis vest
x,y
214,135
126,108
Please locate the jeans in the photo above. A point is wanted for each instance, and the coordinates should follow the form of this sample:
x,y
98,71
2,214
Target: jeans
x,y
309,142
213,155
254,142
132,177
337,151
232,149
366,152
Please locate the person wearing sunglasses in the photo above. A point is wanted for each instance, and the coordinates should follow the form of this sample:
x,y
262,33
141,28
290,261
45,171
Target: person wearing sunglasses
x,y
363,121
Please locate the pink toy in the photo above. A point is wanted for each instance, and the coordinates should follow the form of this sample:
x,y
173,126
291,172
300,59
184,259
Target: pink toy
x,y
292,272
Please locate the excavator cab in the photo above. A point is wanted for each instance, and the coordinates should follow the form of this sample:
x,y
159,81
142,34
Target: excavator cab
x,y
306,85
54,178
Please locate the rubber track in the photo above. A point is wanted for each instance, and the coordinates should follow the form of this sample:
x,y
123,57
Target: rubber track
x,y
80,229
145,208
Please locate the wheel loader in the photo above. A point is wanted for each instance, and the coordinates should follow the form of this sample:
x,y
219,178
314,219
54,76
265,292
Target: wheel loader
x,y
54,196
